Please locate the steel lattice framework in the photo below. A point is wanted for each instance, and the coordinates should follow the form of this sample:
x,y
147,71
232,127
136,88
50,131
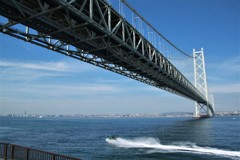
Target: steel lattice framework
x,y
92,31
200,79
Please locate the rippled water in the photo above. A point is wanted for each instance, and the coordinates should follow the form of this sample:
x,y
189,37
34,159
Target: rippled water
x,y
138,138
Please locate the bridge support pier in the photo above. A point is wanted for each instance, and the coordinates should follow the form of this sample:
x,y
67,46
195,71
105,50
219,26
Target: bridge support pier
x,y
200,81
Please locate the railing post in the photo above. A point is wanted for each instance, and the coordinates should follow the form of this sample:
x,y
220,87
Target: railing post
x,y
5,152
12,152
54,157
27,155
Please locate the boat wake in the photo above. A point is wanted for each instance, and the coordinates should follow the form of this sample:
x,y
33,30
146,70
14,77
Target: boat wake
x,y
155,146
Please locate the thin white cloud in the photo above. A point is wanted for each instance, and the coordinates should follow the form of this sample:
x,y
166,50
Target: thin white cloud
x,y
232,64
52,66
47,66
227,88
228,65
24,71
117,80
59,91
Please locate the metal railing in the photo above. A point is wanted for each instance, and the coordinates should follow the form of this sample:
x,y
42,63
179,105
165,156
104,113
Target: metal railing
x,y
17,152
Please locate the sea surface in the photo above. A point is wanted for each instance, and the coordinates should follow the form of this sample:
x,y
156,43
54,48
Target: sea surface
x,y
138,138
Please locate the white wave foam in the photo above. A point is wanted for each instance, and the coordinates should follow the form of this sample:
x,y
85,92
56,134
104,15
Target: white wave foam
x,y
153,143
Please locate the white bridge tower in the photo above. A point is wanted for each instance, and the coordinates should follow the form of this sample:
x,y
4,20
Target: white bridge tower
x,y
200,81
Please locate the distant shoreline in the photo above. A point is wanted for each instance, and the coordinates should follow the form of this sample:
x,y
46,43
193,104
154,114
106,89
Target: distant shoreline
x,y
157,115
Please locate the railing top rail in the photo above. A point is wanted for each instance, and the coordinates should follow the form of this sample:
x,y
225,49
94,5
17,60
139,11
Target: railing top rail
x,y
28,149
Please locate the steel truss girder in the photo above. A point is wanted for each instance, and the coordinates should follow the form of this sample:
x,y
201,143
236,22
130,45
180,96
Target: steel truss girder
x,y
92,31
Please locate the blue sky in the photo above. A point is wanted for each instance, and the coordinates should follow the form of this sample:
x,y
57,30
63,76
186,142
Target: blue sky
x,y
41,81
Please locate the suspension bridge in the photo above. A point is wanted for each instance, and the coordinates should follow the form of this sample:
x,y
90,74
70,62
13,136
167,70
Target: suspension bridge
x,y
94,32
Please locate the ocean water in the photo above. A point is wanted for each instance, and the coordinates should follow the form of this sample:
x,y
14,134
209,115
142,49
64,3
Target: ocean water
x,y
138,138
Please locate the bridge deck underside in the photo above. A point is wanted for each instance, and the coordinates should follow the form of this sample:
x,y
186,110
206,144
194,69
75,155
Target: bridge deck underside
x,y
92,31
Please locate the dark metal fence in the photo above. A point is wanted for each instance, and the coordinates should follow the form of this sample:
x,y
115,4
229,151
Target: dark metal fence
x,y
16,152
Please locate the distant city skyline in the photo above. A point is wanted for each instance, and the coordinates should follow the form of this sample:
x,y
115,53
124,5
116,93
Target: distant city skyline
x,y
166,114
41,81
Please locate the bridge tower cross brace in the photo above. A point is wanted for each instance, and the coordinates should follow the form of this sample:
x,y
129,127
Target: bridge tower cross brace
x,y
200,82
